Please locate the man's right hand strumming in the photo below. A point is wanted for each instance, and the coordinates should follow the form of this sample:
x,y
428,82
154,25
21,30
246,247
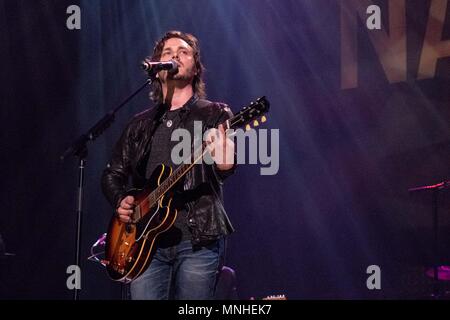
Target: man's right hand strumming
x,y
125,209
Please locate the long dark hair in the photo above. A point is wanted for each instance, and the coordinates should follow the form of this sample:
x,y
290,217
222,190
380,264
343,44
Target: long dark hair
x,y
198,84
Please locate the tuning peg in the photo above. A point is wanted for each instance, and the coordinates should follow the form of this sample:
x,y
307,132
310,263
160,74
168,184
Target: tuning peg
x,y
247,127
255,123
263,119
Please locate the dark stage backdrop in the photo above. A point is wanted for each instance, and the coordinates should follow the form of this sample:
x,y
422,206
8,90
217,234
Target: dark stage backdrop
x,y
363,115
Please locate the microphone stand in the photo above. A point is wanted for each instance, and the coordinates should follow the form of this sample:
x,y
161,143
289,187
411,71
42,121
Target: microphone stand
x,y
79,150
434,210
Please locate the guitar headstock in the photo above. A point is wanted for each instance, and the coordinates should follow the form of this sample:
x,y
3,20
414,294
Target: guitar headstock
x,y
271,297
276,297
251,115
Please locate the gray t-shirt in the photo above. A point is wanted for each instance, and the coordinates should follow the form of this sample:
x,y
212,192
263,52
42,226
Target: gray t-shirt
x,y
160,151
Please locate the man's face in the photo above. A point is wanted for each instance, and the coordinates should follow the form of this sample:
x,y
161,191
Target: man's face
x,y
180,51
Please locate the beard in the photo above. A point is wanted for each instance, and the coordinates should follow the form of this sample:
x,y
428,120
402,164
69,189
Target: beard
x,y
183,77
179,79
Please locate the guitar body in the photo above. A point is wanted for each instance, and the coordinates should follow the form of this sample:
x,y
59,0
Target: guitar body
x,y
130,246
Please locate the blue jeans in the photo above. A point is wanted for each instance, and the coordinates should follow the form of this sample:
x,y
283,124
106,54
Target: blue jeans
x,y
181,272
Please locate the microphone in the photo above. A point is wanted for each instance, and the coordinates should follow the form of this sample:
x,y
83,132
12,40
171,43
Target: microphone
x,y
157,66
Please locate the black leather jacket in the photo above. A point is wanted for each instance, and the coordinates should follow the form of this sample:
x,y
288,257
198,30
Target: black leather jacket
x,y
207,218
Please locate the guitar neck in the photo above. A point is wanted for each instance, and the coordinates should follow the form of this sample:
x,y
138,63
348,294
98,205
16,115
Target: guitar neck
x,y
180,172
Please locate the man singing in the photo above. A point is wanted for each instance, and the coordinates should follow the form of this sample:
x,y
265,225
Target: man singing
x,y
189,255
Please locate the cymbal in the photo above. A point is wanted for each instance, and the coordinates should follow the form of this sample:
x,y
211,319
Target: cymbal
x,y
443,273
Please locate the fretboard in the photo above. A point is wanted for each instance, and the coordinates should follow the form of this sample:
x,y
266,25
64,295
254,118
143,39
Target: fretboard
x,y
151,200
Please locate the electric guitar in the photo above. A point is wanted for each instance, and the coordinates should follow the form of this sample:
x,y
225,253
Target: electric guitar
x,y
130,246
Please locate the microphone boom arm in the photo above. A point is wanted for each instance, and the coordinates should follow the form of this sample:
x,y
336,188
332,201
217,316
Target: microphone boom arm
x,y
78,147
